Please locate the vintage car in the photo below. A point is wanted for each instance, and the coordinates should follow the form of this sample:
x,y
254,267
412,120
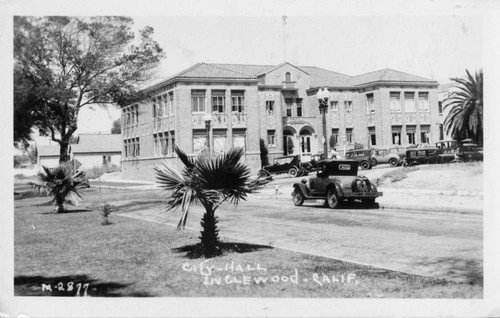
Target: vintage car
x,y
337,180
363,156
311,162
288,164
469,152
416,156
389,155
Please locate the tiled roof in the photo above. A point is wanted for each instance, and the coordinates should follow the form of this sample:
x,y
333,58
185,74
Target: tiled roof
x,y
228,71
386,75
319,76
98,143
322,77
50,150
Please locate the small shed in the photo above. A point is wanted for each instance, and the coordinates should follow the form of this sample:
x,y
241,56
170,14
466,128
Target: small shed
x,y
98,150
48,156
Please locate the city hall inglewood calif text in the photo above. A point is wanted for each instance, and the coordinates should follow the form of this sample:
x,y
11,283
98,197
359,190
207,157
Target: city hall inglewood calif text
x,y
278,104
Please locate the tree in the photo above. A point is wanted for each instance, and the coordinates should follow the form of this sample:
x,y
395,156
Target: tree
x,y
61,184
65,63
117,127
332,142
264,159
465,116
209,181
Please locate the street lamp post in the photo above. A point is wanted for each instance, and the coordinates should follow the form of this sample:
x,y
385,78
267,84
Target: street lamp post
x,y
322,96
208,120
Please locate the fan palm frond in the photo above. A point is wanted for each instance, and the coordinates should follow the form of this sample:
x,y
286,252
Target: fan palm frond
x,y
61,184
465,116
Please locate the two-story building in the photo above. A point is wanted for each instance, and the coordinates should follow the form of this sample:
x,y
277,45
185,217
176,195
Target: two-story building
x,y
276,103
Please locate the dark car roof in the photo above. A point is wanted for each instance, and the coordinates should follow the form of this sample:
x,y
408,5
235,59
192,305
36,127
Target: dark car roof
x,y
340,167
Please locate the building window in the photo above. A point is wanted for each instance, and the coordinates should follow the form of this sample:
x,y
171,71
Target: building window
x,y
131,115
132,148
271,138
238,101
270,107
289,109
334,139
409,102
164,143
198,101
423,101
424,134
372,137
219,101
288,77
335,105
156,145
220,140
239,138
155,108
348,106
172,142
171,103
410,135
441,132
370,104
396,135
299,108
395,101
199,140
440,107
348,136
161,106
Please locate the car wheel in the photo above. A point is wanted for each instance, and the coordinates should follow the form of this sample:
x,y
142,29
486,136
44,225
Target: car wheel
x,y
262,174
393,162
365,165
293,172
374,162
332,200
298,198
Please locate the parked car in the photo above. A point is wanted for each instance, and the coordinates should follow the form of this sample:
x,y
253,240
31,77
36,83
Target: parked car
x,y
447,150
469,152
390,156
337,180
416,156
363,156
313,162
288,164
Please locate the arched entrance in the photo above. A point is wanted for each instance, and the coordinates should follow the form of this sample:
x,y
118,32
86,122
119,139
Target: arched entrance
x,y
305,140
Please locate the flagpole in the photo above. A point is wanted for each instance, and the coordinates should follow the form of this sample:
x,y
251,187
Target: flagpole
x,y
284,40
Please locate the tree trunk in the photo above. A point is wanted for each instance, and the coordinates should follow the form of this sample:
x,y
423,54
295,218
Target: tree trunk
x,y
63,152
210,244
59,208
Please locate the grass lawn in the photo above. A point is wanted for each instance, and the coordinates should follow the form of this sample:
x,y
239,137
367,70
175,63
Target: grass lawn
x,y
133,257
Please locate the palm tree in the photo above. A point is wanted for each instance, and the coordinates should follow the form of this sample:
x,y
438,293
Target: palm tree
x,y
62,185
209,181
465,118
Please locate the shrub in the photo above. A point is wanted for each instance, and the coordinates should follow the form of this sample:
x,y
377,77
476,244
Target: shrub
x,y
396,175
105,212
